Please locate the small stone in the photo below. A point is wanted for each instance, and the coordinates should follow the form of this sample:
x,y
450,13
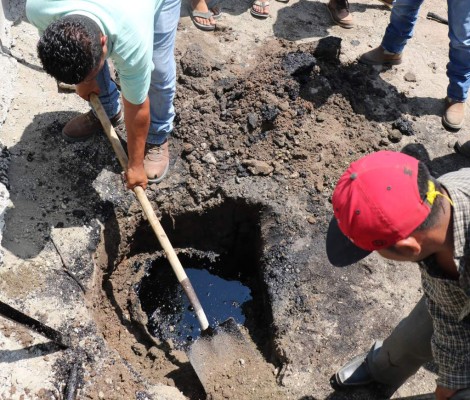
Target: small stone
x,y
209,159
252,121
283,106
188,148
258,167
241,361
311,220
101,394
269,112
280,140
294,175
395,136
404,126
410,77
320,117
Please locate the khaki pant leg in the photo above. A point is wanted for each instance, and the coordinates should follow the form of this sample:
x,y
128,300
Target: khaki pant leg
x,y
406,349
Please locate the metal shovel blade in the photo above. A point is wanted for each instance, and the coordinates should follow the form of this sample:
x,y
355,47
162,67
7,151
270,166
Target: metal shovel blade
x,y
222,356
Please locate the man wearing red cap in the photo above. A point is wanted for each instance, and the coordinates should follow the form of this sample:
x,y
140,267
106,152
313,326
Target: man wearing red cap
x,y
388,202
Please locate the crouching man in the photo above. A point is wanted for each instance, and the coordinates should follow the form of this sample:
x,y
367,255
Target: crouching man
x,y
388,202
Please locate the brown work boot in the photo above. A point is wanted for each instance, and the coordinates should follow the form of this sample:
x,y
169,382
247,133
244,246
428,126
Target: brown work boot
x,y
156,161
86,125
380,56
388,3
339,11
454,114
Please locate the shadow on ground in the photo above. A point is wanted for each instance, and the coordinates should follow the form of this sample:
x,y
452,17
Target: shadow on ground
x,y
51,184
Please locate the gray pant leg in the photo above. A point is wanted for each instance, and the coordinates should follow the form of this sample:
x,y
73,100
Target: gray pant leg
x,y
406,349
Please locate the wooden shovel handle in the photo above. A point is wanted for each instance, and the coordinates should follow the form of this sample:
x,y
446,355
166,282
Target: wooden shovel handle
x,y
152,218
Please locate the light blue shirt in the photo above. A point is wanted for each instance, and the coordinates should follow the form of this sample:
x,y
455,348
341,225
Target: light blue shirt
x,y
129,27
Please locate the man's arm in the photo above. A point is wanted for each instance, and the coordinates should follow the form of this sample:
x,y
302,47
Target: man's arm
x,y
137,119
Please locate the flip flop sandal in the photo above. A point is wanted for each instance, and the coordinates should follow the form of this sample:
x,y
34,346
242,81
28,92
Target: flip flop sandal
x,y
205,15
213,4
263,5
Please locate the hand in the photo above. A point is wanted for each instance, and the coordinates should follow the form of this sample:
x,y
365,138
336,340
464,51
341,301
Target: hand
x,y
85,88
136,176
443,393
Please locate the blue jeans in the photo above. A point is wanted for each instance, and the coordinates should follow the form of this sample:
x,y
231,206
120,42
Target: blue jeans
x,y
163,82
400,29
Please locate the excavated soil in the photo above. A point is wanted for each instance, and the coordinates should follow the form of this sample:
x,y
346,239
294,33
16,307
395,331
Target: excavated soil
x,y
234,131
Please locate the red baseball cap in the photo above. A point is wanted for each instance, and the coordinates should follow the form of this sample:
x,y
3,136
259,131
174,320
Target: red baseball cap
x,y
376,203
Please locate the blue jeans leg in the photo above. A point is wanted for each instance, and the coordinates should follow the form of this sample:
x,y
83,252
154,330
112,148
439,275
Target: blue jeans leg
x,y
163,83
402,21
109,93
458,68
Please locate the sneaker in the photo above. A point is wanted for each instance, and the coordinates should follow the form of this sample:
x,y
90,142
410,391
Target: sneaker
x,y
156,161
388,3
454,114
339,11
85,126
380,56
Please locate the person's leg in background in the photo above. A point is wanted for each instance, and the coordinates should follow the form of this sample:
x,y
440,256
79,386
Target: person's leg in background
x,y
400,29
201,15
86,125
396,359
162,91
458,68
339,11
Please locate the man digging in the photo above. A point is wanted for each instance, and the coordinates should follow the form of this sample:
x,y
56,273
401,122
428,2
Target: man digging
x,y
388,202
76,39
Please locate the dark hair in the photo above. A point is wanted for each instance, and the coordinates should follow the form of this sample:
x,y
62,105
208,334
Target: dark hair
x,y
70,48
424,176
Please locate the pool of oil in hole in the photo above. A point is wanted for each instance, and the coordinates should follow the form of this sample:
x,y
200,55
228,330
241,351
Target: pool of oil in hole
x,y
168,309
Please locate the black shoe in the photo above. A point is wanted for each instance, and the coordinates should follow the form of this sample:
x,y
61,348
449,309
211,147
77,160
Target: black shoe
x,y
354,373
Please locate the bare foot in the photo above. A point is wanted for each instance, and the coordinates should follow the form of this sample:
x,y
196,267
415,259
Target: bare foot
x,y
201,6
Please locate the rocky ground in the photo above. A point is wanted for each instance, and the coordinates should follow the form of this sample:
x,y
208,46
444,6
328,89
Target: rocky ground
x,y
269,114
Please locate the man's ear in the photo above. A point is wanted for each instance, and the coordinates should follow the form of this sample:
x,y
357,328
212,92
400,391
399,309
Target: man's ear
x,y
409,246
104,40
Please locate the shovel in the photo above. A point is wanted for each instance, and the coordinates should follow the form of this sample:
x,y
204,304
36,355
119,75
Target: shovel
x,y
17,316
218,351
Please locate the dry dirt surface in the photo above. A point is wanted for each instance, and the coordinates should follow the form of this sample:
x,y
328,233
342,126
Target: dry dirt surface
x,y
269,114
